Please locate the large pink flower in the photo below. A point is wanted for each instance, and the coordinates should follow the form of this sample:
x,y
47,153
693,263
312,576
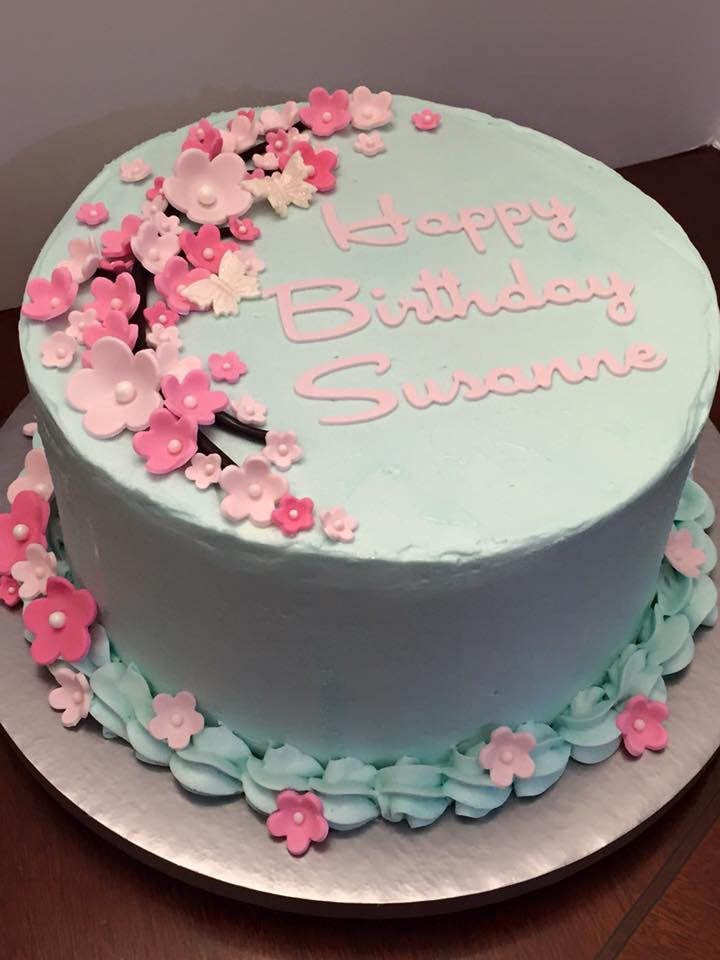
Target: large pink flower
x,y
641,724
172,281
192,397
202,136
168,443
208,191
92,214
72,696
300,819
35,476
321,162
294,514
25,523
176,719
205,248
682,555
369,110
252,491
282,448
508,756
60,622
116,243
82,259
115,324
119,391
118,294
33,572
50,298
326,113
226,366
153,246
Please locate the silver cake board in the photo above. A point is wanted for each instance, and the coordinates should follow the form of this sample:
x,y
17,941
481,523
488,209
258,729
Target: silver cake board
x,y
383,869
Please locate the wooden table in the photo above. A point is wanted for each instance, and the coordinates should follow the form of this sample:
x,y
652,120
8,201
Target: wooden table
x,y
65,894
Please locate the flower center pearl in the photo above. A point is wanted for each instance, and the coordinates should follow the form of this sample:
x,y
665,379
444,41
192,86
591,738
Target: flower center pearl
x,y
327,116
162,318
116,303
242,228
367,113
339,524
506,756
206,195
93,211
55,301
639,724
254,491
190,402
208,253
227,365
176,719
310,170
20,532
125,392
294,513
11,591
77,697
154,253
60,353
298,817
174,445
209,469
57,620
39,572
283,449
163,336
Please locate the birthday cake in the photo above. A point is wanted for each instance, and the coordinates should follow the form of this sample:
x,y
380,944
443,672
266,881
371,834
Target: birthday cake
x,y
362,485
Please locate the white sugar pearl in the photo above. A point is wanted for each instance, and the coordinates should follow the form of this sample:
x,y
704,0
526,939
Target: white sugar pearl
x,y
206,195
190,402
227,365
242,228
174,445
327,116
20,532
339,525
209,469
57,620
60,353
116,303
639,724
298,817
176,719
506,756
293,513
208,253
125,392
55,301
162,318
254,491
77,697
283,449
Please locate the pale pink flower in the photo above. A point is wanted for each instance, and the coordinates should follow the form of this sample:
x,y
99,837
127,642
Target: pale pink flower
x,y
58,350
151,208
204,470
369,144
369,110
72,696
249,410
92,214
135,170
241,133
281,118
192,397
282,448
83,258
508,756
300,819
338,525
682,555
641,725
153,246
35,476
253,490
176,719
162,334
33,572
208,191
170,363
78,321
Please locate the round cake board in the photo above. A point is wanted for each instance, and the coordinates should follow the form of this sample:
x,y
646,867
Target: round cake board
x,y
384,869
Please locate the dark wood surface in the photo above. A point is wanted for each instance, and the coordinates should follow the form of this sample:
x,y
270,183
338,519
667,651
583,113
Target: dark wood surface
x,y
65,894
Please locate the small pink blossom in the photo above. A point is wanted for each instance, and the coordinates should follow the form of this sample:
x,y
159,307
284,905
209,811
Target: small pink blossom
x,y
244,230
226,367
294,514
116,324
60,622
33,572
249,410
162,334
171,283
208,191
78,321
170,363
135,170
176,719
641,725
425,119
203,136
276,141
252,491
24,524
156,189
151,208
205,248
29,429
338,525
153,246
58,350
118,294
369,110
321,162
369,144
682,555
83,258
508,756
92,214
50,298
35,476
299,818
9,591
279,119
168,443
193,398
160,314
241,133
265,161
326,113
119,391
250,260
72,696
117,266
204,470
282,449
116,243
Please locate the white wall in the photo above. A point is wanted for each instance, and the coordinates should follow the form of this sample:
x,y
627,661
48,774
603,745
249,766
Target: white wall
x,y
81,81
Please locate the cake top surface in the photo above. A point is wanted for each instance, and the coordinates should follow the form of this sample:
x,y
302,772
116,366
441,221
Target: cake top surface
x,y
442,281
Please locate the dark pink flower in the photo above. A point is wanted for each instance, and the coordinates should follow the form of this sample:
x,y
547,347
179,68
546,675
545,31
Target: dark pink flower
x,y
293,515
300,819
50,298
25,523
205,248
92,214
168,443
641,725
326,113
118,294
322,162
9,590
178,274
60,622
156,189
117,266
203,136
115,324
244,230
277,141
425,119
160,313
226,366
192,397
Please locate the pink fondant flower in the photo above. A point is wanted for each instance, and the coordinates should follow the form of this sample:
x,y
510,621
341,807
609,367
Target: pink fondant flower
x,y
170,363
641,725
72,696
326,113
160,314
369,110
369,144
115,324
321,162
282,448
50,298
25,523
425,119
208,191
205,248
116,243
299,818
279,119
117,266
119,391
171,283
151,208
294,514
58,350
33,572
92,214
338,525
249,410
176,719
9,591
156,189
168,443
276,141
118,294
193,398
241,133
135,170
250,260
252,491
226,366
162,334
35,476
265,161
204,470
244,230
60,622
78,321
83,258
203,136
508,756
682,555
153,246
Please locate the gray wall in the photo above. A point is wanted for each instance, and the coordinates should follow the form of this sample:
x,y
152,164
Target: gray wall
x,y
80,81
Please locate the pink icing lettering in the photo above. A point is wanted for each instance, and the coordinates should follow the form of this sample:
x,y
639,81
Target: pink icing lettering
x,y
519,296
543,373
474,219
562,227
433,394
641,356
384,401
508,381
342,301
406,305
563,291
433,288
368,231
437,224
511,215
590,366
621,309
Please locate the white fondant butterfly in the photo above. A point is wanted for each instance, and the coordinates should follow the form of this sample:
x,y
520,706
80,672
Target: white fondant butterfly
x,y
225,289
286,188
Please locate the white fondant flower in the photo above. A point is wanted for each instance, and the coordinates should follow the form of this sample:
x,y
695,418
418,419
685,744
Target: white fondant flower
x,y
135,170
72,696
33,572
224,290
249,410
